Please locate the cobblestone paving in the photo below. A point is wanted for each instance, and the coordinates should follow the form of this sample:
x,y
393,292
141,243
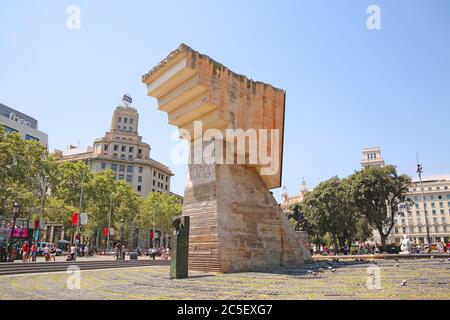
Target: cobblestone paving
x,y
425,279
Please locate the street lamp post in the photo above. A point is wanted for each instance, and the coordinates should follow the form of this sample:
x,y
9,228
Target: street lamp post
x,y
109,224
88,161
16,209
122,222
419,172
154,231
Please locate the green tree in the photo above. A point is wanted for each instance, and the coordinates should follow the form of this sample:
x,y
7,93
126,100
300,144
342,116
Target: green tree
x,y
378,192
26,171
159,208
330,209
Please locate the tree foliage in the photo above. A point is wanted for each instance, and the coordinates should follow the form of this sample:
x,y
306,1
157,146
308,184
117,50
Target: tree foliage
x,y
51,192
378,193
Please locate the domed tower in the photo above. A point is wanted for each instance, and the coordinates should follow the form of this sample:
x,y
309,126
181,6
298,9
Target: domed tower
x,y
284,195
303,187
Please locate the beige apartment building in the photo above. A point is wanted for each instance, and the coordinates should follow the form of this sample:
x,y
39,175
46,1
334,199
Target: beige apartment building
x,y
436,208
289,202
411,222
123,151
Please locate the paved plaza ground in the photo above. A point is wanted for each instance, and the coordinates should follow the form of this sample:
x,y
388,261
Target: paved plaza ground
x,y
425,279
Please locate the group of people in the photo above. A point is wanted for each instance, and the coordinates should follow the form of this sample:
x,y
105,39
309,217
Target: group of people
x,y
364,248
29,253
80,251
164,253
368,248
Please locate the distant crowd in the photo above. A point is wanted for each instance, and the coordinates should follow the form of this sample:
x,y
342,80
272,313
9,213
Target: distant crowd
x,y
375,248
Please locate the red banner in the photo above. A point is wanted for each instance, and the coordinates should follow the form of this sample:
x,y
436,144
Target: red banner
x,y
75,218
151,235
105,232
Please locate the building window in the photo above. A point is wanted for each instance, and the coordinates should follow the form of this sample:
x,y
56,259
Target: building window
x,y
153,182
120,119
125,120
121,176
116,147
131,120
167,179
166,187
130,157
9,130
153,190
30,138
129,168
124,148
114,167
103,165
441,204
118,128
154,173
139,178
105,147
122,168
141,169
115,154
129,178
130,149
431,197
139,188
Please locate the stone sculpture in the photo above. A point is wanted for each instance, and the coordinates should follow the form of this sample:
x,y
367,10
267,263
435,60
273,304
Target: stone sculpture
x,y
235,128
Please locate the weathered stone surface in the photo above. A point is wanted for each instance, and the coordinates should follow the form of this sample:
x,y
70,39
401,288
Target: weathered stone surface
x,y
236,224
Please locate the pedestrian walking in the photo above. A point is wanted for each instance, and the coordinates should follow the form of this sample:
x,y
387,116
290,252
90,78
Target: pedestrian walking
x,y
167,253
25,251
73,250
33,252
53,252
46,251
86,251
153,253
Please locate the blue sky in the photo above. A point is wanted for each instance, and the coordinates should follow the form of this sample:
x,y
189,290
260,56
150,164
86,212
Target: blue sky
x,y
348,87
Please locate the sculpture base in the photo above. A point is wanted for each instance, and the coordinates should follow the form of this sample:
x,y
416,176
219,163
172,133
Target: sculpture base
x,y
236,224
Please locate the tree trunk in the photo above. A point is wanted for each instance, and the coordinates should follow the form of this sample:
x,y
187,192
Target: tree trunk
x,y
383,241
